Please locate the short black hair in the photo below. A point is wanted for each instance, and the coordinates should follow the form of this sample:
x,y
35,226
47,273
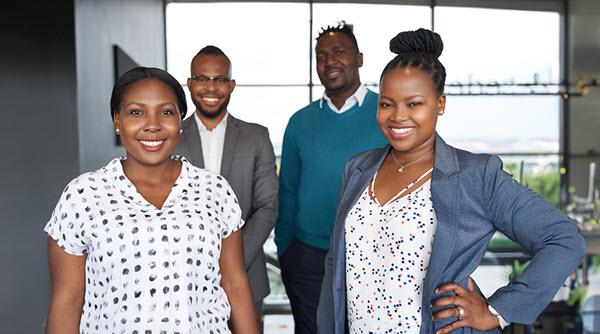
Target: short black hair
x,y
137,74
341,27
419,49
211,50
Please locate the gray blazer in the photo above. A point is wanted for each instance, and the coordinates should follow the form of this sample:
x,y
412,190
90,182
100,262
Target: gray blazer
x,y
472,197
248,164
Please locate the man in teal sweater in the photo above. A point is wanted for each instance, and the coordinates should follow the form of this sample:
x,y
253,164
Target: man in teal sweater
x,y
318,141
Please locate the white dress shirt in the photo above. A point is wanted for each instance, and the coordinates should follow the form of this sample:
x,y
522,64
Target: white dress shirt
x,y
357,97
212,143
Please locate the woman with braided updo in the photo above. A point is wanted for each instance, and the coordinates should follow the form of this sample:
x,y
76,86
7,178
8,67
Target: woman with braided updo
x,y
414,220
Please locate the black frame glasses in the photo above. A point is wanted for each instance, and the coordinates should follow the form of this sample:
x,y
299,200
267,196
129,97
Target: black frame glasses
x,y
204,80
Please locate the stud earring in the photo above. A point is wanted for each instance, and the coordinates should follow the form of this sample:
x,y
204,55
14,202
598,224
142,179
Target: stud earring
x,y
180,130
117,131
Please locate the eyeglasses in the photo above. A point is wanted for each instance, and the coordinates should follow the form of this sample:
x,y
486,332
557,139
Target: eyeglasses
x,y
204,80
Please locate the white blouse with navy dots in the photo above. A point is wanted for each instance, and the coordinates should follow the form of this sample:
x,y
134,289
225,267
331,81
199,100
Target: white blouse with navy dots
x,y
387,255
149,270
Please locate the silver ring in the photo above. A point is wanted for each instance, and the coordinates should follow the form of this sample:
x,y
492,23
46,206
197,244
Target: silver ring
x,y
461,312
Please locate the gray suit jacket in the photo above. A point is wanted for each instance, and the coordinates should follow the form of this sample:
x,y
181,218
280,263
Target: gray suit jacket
x,y
248,164
472,197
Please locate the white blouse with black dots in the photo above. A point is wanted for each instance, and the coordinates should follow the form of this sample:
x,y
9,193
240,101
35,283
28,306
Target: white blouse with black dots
x,y
387,256
149,270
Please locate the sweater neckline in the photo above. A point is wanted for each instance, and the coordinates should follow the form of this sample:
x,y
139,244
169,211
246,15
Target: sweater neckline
x,y
356,108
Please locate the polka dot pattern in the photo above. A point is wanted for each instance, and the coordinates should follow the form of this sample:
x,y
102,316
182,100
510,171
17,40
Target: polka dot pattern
x,y
149,270
387,256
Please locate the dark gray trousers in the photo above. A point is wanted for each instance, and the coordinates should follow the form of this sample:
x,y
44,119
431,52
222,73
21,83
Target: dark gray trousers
x,y
302,270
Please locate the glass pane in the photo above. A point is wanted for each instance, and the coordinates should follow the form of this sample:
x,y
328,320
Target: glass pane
x,y
488,45
270,46
268,106
502,124
317,92
491,278
372,36
538,172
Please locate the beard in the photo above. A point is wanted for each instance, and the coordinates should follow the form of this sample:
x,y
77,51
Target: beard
x,y
212,114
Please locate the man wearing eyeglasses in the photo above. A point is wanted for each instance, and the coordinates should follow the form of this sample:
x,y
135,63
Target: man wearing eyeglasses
x,y
241,152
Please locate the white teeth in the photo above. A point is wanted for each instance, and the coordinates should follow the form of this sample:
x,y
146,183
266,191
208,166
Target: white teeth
x,y
401,130
151,143
210,99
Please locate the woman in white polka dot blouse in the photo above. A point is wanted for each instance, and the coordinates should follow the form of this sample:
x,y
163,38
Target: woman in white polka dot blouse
x,y
148,244
414,220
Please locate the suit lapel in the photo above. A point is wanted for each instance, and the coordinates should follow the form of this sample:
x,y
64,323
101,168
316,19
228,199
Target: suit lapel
x,y
444,187
339,265
446,207
231,133
191,136
359,178
348,200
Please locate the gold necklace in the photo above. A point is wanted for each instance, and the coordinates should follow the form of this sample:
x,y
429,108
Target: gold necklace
x,y
403,167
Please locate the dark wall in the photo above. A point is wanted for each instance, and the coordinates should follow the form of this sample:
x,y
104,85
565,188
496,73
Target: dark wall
x,y
138,27
38,131
56,75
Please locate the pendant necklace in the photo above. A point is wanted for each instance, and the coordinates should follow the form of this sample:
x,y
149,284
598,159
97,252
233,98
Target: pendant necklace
x,y
401,167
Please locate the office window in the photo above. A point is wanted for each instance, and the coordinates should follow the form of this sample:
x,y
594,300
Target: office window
x,y
518,51
500,64
374,26
491,45
502,67
271,53
269,47
502,124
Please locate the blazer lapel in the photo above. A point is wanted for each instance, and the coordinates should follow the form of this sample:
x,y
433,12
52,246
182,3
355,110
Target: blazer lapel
x,y
444,187
360,177
191,136
231,133
358,180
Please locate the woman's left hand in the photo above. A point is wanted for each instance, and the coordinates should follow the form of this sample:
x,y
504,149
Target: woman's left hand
x,y
471,308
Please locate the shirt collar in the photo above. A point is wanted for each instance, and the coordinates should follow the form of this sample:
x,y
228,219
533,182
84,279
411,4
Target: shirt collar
x,y
359,96
115,173
202,128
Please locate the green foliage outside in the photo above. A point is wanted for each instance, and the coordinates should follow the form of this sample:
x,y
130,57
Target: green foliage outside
x,y
546,183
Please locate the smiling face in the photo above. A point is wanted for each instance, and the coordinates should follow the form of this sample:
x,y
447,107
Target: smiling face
x,y
338,62
210,85
409,106
148,122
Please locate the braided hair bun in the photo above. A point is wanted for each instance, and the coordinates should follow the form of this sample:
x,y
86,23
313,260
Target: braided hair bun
x,y
418,49
420,41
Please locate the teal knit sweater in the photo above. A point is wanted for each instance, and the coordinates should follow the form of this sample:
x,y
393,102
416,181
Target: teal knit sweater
x,y
316,145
